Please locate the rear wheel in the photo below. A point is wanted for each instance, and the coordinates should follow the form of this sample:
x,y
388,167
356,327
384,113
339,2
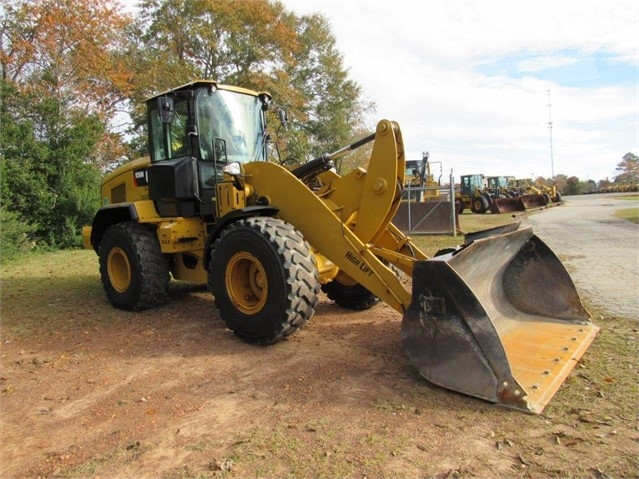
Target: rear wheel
x,y
134,273
349,294
264,280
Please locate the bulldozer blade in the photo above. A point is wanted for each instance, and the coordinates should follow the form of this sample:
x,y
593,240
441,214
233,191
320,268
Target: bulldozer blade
x,y
507,205
499,319
534,201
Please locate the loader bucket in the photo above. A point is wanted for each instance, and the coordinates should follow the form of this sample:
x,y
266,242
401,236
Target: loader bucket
x,y
499,319
507,205
534,201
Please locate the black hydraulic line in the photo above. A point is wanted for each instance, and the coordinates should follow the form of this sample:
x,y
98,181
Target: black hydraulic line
x,y
324,162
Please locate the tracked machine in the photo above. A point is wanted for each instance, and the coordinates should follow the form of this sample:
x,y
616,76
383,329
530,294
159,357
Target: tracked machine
x,y
497,318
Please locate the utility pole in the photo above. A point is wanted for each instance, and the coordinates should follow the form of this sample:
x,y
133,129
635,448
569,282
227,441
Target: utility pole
x,y
552,162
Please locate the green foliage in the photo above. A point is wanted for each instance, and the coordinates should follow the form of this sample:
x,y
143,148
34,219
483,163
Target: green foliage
x,y
69,67
293,58
332,110
15,235
48,181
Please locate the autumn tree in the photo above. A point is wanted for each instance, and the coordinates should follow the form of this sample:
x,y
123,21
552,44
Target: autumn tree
x,y
257,44
64,81
561,183
75,71
629,168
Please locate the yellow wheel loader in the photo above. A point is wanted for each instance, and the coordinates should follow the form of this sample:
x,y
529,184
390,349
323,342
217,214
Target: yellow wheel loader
x,y
208,206
482,194
532,196
502,198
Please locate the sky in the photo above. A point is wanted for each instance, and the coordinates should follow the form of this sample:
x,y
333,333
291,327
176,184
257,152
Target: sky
x,y
471,81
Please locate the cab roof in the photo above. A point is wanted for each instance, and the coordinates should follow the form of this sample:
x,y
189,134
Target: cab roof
x,y
199,83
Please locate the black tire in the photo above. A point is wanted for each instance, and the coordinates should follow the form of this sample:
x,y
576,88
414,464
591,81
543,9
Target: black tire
x,y
355,296
557,198
480,205
459,206
264,279
134,273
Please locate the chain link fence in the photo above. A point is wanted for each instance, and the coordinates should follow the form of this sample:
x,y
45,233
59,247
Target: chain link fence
x,y
433,216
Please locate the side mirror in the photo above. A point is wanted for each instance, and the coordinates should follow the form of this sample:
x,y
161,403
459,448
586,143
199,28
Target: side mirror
x,y
219,150
166,109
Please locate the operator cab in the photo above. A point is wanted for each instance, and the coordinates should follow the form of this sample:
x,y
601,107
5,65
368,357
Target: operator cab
x,y
470,183
194,132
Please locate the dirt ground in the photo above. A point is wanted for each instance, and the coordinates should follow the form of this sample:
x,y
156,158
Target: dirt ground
x,y
88,391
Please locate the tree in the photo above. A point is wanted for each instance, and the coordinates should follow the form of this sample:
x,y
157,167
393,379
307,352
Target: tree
x,y
561,183
68,49
71,68
257,44
235,42
629,168
589,186
47,180
64,80
573,186
332,111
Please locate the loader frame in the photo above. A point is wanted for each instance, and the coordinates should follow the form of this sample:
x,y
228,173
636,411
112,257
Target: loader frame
x,y
264,237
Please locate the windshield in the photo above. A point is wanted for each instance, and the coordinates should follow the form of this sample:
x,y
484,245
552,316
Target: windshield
x,y
411,166
497,182
230,120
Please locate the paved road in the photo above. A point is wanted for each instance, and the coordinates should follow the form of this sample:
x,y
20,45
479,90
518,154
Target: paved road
x,y
600,251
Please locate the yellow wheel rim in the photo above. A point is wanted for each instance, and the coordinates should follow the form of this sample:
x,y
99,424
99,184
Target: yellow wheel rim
x,y
246,283
119,270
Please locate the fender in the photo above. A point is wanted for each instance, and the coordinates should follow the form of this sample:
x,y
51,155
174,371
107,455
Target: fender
x,y
231,217
140,211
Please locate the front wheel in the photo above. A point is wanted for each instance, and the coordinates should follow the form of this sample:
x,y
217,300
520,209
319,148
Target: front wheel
x,y
134,273
264,279
480,205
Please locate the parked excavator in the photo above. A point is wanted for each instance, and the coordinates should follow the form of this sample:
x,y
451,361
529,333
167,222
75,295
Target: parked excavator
x,y
498,318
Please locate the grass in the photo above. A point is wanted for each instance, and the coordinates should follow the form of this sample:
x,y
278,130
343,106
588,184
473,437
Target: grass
x,y
468,222
57,292
629,214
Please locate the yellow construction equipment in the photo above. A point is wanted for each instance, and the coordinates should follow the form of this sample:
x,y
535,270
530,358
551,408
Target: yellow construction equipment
x,y
482,194
502,198
420,182
531,196
497,318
